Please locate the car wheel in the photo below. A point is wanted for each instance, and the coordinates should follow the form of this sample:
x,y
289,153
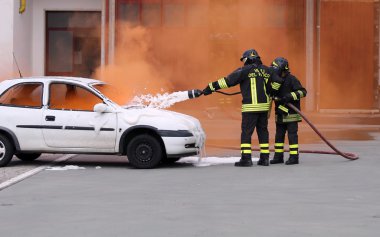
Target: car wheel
x,y
28,156
6,151
170,160
144,151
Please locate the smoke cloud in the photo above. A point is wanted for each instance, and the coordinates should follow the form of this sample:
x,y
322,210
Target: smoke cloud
x,y
203,48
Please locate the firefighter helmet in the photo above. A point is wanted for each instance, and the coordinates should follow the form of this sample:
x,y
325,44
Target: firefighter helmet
x,y
280,65
250,56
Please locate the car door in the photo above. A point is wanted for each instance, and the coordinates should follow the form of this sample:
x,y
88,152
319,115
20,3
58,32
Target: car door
x,y
70,121
21,113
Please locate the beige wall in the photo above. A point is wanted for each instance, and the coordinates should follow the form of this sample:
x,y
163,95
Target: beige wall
x,y
6,39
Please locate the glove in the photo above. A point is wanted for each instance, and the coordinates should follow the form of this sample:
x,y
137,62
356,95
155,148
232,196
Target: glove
x,y
207,91
285,99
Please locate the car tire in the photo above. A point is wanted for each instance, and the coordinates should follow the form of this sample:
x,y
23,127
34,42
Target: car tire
x,y
170,160
144,151
28,156
6,151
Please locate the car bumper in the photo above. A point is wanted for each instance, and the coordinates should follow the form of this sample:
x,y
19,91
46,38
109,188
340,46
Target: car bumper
x,y
177,146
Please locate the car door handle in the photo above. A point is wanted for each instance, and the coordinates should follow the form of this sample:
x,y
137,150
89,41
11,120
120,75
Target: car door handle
x,y
50,118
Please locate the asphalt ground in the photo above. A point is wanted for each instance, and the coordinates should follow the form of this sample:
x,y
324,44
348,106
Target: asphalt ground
x,y
323,196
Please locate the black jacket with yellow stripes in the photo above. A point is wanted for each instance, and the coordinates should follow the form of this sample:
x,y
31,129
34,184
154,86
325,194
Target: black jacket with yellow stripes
x,y
257,84
293,91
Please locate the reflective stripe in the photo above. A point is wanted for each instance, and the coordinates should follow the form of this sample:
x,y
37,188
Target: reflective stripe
x,y
253,91
293,152
279,144
301,93
222,83
294,95
264,148
275,85
283,109
262,107
246,148
291,118
293,146
279,150
211,86
266,94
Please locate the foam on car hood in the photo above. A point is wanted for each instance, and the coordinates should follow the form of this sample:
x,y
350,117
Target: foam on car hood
x,y
164,119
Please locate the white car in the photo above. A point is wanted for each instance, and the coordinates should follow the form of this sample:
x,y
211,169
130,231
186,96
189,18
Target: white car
x,y
73,115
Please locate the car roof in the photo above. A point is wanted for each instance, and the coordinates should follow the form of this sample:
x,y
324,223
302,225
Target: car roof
x,y
57,78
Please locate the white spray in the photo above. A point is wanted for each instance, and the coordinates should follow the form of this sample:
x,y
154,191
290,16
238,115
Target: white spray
x,y
161,101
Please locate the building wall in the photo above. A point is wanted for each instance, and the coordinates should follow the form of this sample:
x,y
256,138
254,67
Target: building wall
x,y
22,43
39,7
348,55
6,39
24,35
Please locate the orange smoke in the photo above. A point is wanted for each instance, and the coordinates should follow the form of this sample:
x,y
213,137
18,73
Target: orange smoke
x,y
135,70
168,59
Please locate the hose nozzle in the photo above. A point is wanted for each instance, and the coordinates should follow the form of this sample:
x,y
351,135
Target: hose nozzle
x,y
194,93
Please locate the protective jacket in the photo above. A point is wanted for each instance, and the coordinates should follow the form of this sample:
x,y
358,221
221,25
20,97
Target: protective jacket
x,y
257,84
291,91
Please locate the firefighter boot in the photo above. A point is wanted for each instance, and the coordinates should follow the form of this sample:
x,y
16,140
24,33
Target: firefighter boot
x,y
245,161
277,158
264,159
293,160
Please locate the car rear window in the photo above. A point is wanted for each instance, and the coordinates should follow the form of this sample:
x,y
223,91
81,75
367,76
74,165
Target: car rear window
x,y
23,95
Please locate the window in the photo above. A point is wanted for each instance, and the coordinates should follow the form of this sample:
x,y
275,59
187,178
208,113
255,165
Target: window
x,y
262,14
151,14
112,92
72,43
129,12
162,13
23,95
71,97
174,15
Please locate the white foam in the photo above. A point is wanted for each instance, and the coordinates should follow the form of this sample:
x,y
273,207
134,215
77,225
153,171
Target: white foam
x,y
66,167
208,161
161,101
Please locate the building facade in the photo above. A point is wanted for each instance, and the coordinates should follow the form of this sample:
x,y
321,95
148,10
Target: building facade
x,y
332,46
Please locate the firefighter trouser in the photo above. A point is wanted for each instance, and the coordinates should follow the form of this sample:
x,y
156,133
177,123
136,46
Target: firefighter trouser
x,y
281,129
249,122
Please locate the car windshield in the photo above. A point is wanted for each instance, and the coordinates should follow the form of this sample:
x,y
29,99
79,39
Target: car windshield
x,y
112,92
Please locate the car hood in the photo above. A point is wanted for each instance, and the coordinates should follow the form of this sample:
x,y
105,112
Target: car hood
x,y
161,119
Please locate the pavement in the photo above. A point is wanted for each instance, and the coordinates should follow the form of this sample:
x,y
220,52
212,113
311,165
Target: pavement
x,y
323,196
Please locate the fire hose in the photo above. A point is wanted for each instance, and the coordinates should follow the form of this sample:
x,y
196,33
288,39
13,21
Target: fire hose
x,y
346,155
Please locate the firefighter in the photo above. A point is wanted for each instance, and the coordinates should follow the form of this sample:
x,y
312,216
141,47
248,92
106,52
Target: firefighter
x,y
257,84
291,91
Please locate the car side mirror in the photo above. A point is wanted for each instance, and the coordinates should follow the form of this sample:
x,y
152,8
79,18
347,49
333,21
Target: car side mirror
x,y
101,108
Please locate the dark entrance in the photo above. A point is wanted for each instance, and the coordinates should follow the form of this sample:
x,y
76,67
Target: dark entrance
x,y
72,43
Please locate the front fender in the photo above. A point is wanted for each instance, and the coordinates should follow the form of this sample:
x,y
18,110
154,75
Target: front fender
x,y
132,131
